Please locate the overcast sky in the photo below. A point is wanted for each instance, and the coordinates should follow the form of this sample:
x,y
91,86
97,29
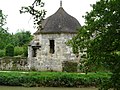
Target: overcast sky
x,y
15,20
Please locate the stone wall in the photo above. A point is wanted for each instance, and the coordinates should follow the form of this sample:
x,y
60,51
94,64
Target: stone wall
x,y
44,60
13,63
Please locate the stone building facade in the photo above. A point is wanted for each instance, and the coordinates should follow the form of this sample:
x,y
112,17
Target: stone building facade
x,y
48,49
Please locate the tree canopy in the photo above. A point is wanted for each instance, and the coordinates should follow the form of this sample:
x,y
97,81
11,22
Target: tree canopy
x,y
99,38
21,38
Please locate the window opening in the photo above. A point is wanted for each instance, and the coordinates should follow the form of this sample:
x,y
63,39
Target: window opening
x,y
34,52
52,46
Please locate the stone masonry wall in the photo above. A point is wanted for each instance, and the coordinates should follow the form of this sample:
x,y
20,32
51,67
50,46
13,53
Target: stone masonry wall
x,y
44,60
12,63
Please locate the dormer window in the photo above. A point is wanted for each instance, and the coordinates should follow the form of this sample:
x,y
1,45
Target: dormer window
x,y
52,46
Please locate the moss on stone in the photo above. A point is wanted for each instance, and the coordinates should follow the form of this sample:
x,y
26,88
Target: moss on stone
x,y
69,66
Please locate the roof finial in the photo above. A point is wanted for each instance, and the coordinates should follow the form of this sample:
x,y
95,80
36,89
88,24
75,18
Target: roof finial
x,y
60,3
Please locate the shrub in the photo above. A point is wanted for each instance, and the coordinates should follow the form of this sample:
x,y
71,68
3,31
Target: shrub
x,y
52,79
25,49
2,53
9,50
18,51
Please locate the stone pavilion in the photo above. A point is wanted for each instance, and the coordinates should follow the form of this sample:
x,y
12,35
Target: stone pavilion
x,y
48,49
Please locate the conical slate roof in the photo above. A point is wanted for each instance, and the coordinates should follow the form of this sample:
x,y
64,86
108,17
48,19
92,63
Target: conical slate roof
x,y
59,22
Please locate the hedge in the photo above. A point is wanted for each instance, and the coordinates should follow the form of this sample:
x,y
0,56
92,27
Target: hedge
x,y
9,50
52,79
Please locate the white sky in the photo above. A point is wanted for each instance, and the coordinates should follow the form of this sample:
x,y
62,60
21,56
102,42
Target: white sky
x,y
15,20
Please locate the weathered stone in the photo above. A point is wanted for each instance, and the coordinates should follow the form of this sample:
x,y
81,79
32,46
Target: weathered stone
x,y
48,49
53,61
13,63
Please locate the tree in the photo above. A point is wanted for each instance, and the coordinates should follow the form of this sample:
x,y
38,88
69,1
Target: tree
x,y
34,10
21,38
99,38
3,31
2,19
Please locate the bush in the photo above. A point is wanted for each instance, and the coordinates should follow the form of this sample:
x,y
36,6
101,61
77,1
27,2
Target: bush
x,y
52,79
18,51
21,51
9,50
25,48
2,53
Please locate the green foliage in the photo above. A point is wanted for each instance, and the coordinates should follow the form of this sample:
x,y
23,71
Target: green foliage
x,y
2,19
69,66
25,48
2,53
9,50
21,38
3,31
38,14
52,79
100,38
18,51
